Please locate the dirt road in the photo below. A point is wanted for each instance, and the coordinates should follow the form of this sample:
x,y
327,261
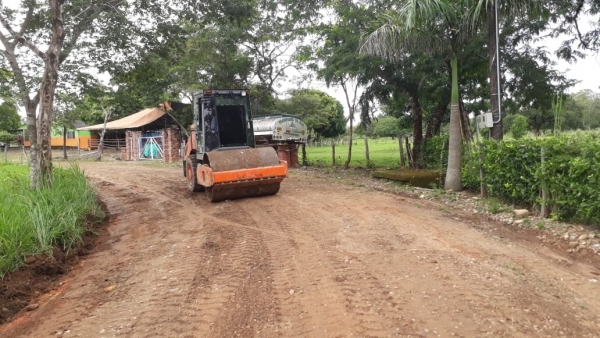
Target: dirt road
x,y
319,259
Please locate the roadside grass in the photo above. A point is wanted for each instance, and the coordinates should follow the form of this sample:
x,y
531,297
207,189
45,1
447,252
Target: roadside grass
x,y
383,152
35,221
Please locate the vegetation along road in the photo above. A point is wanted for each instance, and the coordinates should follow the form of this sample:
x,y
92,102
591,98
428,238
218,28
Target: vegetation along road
x,y
319,259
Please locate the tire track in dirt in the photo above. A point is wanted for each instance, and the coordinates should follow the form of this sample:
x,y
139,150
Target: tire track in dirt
x,y
306,299
368,305
233,296
140,287
431,260
336,298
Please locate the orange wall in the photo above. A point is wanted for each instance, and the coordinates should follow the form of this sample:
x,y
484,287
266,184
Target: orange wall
x,y
58,142
71,142
83,142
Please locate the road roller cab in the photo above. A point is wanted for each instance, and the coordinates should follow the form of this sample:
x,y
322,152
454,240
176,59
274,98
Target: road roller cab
x,y
220,154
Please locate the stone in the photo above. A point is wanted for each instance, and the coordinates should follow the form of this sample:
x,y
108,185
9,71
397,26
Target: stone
x,y
519,222
292,291
582,237
32,307
522,213
4,309
573,244
30,259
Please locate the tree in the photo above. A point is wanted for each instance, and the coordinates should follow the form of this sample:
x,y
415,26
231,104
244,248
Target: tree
x,y
518,126
431,26
9,117
337,62
5,139
569,15
588,104
406,85
64,111
322,113
386,126
39,37
58,27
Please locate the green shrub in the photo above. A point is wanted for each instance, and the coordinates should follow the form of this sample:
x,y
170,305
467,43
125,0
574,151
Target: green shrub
x,y
571,175
35,221
6,137
434,153
518,127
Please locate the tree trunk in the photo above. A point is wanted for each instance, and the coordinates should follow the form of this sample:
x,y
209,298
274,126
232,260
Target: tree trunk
x,y
44,123
34,152
409,153
434,125
464,123
304,154
453,179
100,143
65,142
401,148
417,114
347,164
333,152
367,150
496,131
6,152
47,90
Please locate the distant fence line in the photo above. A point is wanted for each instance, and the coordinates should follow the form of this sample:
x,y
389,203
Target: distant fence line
x,y
115,143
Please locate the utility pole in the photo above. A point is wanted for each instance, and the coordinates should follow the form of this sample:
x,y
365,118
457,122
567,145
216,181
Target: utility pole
x,y
496,131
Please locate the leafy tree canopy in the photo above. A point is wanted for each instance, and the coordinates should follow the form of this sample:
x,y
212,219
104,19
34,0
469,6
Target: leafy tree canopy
x,y
9,117
322,113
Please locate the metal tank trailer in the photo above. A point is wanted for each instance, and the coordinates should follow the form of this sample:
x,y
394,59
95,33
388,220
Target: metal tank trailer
x,y
283,132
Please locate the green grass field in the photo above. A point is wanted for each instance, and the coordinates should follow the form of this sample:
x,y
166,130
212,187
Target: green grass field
x,y
383,153
35,221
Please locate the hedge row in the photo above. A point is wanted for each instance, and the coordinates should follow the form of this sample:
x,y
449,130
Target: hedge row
x,y
514,173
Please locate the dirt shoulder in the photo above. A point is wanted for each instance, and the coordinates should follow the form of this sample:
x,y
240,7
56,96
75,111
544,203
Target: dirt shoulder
x,y
321,258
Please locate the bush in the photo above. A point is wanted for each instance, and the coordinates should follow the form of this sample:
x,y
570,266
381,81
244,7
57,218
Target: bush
x,y
434,150
6,137
35,221
513,173
518,127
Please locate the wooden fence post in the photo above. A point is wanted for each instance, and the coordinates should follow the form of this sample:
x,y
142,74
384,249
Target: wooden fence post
x,y
367,150
482,188
409,153
543,208
402,162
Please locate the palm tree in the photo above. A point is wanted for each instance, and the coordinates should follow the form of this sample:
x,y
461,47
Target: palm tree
x,y
431,26
445,26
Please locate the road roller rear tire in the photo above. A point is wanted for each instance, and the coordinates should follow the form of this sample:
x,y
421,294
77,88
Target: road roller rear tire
x,y
192,179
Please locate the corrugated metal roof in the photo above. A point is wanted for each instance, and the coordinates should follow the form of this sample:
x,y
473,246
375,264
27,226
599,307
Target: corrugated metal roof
x,y
136,120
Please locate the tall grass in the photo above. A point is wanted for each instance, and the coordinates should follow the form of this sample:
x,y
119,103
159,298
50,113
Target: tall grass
x,y
35,221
